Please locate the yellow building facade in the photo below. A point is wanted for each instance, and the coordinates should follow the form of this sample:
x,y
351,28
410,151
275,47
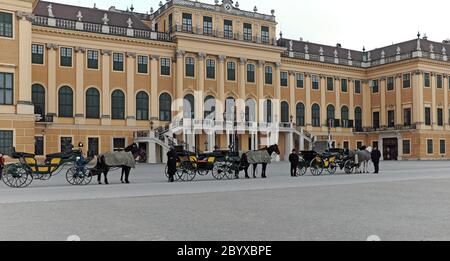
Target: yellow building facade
x,y
209,76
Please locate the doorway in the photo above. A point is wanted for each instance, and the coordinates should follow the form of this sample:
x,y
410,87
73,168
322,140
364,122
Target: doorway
x,y
390,149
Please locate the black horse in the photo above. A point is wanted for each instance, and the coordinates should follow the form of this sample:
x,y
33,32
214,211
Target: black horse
x,y
245,164
103,168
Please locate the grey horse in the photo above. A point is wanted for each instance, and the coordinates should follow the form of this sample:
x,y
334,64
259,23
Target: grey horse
x,y
362,158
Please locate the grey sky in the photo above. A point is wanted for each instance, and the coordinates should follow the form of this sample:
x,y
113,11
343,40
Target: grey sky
x,y
353,23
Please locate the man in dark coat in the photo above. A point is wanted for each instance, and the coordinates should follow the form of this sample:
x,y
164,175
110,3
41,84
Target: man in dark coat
x,y
2,164
294,160
376,156
171,164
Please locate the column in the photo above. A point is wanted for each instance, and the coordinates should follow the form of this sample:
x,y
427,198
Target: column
x,y
292,99
289,145
106,99
154,115
24,103
351,109
199,98
433,101
398,100
51,86
323,102
79,88
277,102
337,85
131,97
179,75
446,115
383,113
367,101
260,90
241,89
308,116
220,103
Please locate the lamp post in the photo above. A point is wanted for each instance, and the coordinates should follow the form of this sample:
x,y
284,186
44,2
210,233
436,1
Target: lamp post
x,y
206,144
151,125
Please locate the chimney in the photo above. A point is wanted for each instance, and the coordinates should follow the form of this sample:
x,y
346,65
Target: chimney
x,y
338,45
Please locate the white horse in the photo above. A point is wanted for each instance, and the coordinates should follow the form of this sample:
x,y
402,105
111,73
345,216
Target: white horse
x,y
363,158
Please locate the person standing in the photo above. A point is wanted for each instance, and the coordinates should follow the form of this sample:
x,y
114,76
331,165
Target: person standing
x,y
171,164
2,164
294,160
376,156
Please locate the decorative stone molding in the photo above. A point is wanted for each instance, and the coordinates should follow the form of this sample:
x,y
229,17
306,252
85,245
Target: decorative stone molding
x,y
179,53
292,73
79,115
51,46
155,57
278,65
243,61
383,78
131,55
106,52
80,49
398,75
222,58
106,117
26,16
261,63
202,56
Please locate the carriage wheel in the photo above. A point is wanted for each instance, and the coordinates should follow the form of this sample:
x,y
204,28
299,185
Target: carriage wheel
x,y
218,172
316,167
202,172
228,170
190,175
301,168
15,176
349,167
332,168
87,178
74,176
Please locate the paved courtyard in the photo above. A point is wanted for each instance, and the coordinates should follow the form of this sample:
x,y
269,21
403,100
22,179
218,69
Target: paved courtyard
x,y
408,201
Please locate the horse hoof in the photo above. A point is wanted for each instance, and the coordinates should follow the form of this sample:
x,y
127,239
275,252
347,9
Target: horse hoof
x,y
127,182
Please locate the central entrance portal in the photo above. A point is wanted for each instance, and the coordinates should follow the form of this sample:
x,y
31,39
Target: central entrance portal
x,y
390,149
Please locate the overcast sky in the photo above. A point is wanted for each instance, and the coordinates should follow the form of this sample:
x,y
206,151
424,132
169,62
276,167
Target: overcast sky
x,y
353,23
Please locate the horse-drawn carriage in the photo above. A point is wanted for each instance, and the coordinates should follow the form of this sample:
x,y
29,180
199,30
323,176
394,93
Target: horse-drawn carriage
x,y
27,169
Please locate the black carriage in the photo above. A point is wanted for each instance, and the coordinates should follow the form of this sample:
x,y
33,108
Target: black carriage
x,y
317,163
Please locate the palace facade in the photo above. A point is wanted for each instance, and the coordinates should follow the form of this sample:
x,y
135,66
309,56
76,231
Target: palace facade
x,y
209,76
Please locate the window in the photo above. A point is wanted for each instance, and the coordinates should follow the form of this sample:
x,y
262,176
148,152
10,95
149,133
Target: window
x,y
315,113
247,32
265,34
391,119
344,117
230,109
210,108
426,79
165,107
228,29
330,84
330,116
165,66
406,147
142,106
300,112
66,57
207,25
93,147
375,87
407,116
250,110
284,111
359,144
92,57
170,24
6,88
346,145
428,116
231,71
6,25
390,83
357,86
268,75
190,67
358,119
39,146
118,62
344,87
284,79
66,144
300,80
210,69
38,99
6,141
119,144
268,110
430,149
187,22
250,73
92,104
142,64
439,81
315,82
442,149
376,120
65,102
406,80
118,105
440,117
37,54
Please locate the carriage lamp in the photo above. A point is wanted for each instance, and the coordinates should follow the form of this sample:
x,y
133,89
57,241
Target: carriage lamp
x,y
80,145
151,125
206,145
292,119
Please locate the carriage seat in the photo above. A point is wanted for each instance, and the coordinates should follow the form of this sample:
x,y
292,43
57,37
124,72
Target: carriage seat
x,y
48,167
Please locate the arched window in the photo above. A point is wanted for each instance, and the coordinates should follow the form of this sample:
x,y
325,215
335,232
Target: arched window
x,y
300,110
230,109
250,110
142,106
188,106
65,102
344,117
330,115
268,110
118,105
210,108
358,119
165,107
315,113
284,112
92,104
38,99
